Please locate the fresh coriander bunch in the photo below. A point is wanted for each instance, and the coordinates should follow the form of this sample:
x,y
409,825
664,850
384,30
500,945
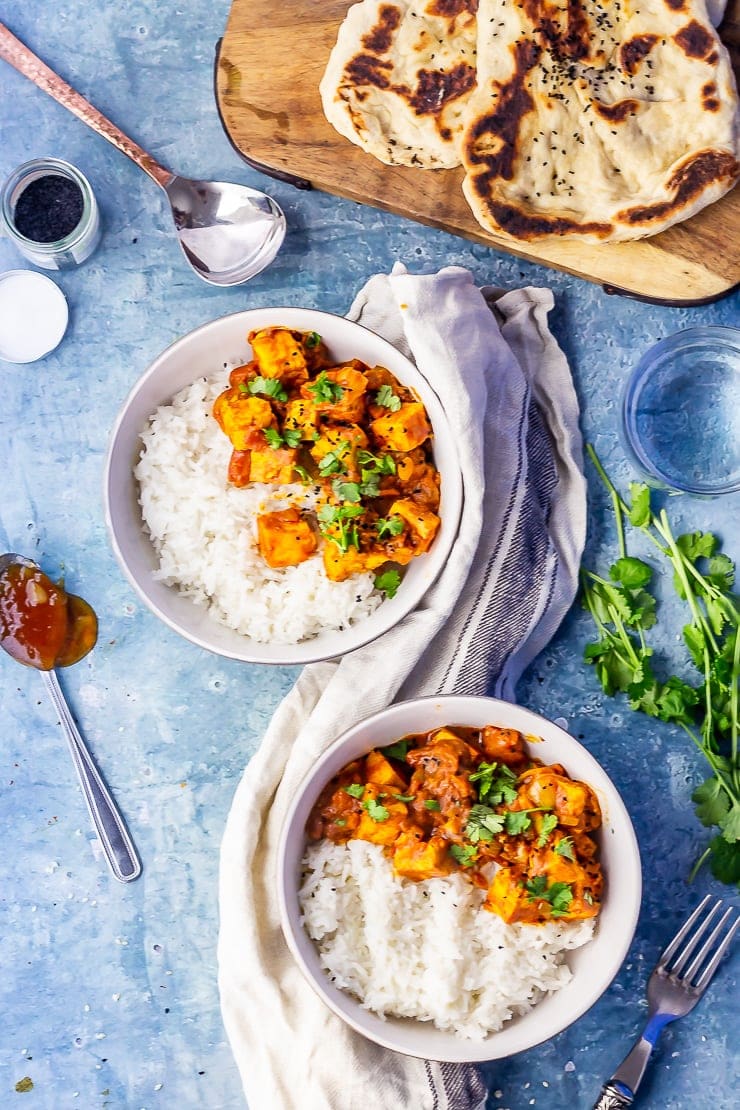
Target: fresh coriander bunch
x,y
624,610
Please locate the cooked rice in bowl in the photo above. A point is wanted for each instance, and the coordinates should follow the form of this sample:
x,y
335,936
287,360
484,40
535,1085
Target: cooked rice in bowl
x,y
427,950
204,531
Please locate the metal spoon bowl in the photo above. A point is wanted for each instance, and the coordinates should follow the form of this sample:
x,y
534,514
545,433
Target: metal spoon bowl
x,y
228,233
117,844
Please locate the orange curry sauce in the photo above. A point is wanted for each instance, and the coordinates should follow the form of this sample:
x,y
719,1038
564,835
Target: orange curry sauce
x,y
468,798
41,625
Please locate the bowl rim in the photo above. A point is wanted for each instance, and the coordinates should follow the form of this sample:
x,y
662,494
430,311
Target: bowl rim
x,y
282,654
349,1009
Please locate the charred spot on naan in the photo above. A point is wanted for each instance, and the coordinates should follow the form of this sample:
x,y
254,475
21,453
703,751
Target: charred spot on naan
x,y
436,88
528,226
617,112
694,177
380,39
710,100
634,51
695,40
492,138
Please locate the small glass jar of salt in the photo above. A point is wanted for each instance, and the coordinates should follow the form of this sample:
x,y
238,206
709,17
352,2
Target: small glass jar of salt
x,y
49,211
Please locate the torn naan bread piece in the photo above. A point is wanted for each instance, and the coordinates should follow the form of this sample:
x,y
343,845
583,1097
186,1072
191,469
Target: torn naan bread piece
x,y
399,78
601,121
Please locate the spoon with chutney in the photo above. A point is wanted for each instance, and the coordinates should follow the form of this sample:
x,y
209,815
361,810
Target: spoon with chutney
x,y
43,626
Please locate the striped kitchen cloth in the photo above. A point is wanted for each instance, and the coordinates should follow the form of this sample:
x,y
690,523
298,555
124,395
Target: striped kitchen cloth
x,y
509,580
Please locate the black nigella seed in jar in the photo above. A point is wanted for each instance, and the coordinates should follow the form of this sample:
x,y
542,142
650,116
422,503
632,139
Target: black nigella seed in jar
x,y
48,209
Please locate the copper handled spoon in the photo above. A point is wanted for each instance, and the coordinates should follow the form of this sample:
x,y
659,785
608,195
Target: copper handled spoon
x,y
117,844
228,233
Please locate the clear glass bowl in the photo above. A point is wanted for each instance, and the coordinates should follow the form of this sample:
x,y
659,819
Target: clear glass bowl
x,y
681,412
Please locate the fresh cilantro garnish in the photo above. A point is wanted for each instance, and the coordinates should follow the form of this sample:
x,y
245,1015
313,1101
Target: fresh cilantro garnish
x,y
340,822
559,895
291,437
355,789
332,461
388,582
335,523
381,464
375,811
312,339
273,437
346,491
404,797
325,390
387,398
549,822
270,387
517,822
483,824
708,710
370,484
397,750
564,847
302,474
495,783
389,526
432,803
465,856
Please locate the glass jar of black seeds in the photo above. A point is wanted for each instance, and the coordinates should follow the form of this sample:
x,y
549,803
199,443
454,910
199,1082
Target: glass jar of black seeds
x,y
49,211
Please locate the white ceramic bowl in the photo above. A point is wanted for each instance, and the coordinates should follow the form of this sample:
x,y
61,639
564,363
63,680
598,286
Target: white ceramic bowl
x,y
202,352
594,966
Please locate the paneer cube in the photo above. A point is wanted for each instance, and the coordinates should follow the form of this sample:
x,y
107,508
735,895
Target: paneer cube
x,y
381,819
339,393
417,859
302,416
402,430
381,771
274,465
422,523
280,354
243,418
285,538
342,442
340,565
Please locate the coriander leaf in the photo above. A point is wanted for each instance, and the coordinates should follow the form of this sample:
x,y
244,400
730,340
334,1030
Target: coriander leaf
x,y
375,811
370,484
292,437
724,860
325,390
536,887
346,491
675,700
273,438
639,512
517,822
332,461
695,545
355,789
302,474
615,673
560,896
483,824
495,783
388,582
631,572
711,803
465,856
340,822
389,526
721,572
382,464
387,398
696,642
564,848
312,339
431,804
730,824
270,387
397,750
404,797
547,825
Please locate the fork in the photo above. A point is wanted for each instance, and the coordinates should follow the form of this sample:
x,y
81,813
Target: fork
x,y
673,991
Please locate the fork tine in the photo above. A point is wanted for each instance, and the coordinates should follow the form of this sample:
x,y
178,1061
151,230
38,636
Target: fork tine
x,y
691,944
712,966
706,948
683,932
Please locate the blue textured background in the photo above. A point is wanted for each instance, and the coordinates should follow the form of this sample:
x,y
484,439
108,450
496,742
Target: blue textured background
x,y
108,993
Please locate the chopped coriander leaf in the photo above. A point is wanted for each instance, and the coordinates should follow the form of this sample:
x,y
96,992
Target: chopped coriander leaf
x,y
564,847
517,822
370,484
432,804
243,387
346,491
332,462
387,398
496,783
375,811
325,390
465,856
389,526
270,387
312,339
382,464
483,824
388,582
340,822
404,797
559,895
548,824
273,438
302,474
334,524
355,789
292,437
397,750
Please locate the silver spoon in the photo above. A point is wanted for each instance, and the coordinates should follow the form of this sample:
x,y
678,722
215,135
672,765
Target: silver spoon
x,y
114,836
228,233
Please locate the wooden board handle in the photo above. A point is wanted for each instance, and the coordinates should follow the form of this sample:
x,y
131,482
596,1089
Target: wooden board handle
x,y
27,63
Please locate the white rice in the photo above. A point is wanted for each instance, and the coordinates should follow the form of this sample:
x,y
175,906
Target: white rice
x,y
204,531
426,950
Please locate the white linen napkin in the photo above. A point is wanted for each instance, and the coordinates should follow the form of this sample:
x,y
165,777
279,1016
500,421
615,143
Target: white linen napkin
x,y
509,580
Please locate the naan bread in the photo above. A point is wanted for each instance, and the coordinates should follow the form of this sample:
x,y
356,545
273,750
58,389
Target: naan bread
x,y
399,78
602,121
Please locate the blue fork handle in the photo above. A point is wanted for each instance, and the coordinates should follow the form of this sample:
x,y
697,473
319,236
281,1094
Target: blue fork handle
x,y
621,1089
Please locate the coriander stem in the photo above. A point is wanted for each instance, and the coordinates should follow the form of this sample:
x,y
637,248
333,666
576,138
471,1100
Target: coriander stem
x,y
699,864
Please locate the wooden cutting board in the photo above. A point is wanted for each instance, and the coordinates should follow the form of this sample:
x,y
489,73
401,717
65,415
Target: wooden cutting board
x,y
268,69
